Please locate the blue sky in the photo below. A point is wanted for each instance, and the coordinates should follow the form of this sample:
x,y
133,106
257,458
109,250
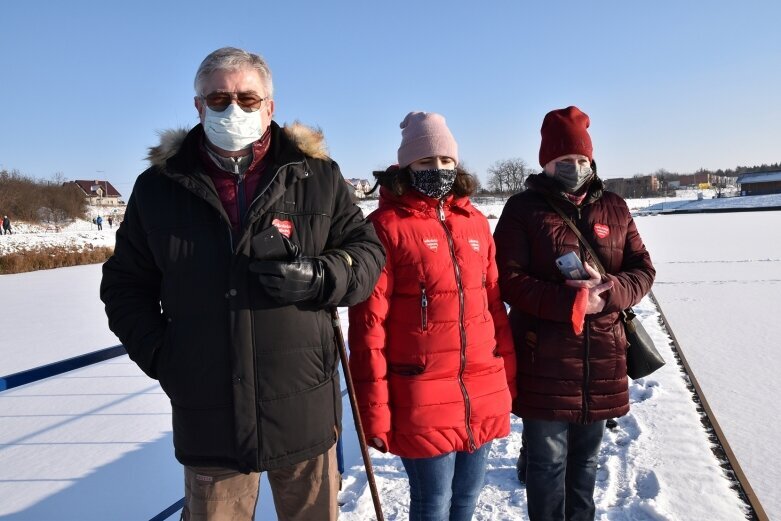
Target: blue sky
x,y
668,84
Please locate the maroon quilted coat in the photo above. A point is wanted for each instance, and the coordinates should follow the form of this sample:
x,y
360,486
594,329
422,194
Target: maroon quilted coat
x,y
431,352
562,375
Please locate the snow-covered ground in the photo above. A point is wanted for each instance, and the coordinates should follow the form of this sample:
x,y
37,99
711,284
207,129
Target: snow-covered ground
x,y
77,235
96,443
710,204
719,285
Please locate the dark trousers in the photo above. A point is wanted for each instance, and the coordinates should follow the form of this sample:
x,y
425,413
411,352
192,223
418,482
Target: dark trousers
x,y
562,469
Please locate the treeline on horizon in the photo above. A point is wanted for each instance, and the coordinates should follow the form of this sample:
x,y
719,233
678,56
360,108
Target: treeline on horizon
x,y
23,198
640,186
508,176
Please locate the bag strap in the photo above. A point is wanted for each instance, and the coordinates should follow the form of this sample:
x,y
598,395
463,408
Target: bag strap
x,y
582,239
627,314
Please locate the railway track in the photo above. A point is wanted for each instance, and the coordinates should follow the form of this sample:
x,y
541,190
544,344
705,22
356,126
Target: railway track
x,y
720,444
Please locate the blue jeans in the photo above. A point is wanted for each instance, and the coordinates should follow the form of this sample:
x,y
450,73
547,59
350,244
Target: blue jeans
x,y
446,487
561,469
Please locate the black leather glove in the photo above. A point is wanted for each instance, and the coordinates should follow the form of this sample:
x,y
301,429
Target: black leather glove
x,y
290,282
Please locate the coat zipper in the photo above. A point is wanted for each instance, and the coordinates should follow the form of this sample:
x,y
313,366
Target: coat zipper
x,y
586,347
230,229
459,284
254,350
423,307
586,373
485,298
240,193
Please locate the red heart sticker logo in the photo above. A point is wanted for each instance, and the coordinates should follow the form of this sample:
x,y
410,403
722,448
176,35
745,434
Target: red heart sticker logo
x,y
284,227
602,230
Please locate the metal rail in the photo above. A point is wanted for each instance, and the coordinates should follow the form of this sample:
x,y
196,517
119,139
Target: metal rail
x,y
722,449
46,371
77,362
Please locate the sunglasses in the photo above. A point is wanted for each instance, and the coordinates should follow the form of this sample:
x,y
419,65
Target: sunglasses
x,y
219,101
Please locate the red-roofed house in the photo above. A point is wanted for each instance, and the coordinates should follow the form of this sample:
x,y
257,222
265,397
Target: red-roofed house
x,y
101,193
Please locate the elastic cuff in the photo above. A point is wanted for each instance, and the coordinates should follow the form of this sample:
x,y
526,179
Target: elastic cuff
x,y
579,310
382,437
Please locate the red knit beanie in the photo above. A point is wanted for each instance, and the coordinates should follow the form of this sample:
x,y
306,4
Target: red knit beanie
x,y
564,132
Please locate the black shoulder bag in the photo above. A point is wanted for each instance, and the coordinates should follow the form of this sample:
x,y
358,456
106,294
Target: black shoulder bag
x,y
642,358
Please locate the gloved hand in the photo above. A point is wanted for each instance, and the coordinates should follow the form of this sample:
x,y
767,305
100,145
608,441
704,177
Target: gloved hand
x,y
290,282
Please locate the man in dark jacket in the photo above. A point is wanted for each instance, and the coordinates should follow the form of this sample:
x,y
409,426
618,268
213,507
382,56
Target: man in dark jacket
x,y
568,336
235,244
6,225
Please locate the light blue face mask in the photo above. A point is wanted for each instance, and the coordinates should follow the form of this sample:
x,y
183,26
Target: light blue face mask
x,y
232,129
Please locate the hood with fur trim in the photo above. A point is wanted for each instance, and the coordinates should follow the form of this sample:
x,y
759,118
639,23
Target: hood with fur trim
x,y
310,141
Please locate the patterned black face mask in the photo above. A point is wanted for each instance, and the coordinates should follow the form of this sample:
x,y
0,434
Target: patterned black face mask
x,y
435,183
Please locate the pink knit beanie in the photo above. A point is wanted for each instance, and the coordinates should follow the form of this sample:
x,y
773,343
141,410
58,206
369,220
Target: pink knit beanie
x,y
425,134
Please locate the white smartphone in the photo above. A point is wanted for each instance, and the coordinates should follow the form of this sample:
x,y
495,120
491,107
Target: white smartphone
x,y
570,266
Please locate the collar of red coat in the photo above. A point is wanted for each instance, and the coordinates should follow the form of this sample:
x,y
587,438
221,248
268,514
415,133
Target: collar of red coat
x,y
414,202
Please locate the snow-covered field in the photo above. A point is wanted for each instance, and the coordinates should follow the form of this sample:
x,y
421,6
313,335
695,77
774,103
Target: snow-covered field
x,y
96,443
719,285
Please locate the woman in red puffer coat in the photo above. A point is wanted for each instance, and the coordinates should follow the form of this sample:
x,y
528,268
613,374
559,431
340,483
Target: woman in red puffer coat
x,y
431,352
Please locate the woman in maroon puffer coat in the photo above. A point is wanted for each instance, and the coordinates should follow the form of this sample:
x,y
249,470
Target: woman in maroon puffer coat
x,y
569,339
431,352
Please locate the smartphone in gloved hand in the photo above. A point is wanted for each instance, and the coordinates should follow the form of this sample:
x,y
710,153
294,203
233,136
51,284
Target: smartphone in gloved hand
x,y
570,266
269,244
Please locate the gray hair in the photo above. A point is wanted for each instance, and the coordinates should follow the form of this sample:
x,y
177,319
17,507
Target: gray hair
x,y
231,59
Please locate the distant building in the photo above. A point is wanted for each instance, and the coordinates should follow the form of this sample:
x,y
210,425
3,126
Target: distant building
x,y
760,183
360,187
696,179
100,193
633,187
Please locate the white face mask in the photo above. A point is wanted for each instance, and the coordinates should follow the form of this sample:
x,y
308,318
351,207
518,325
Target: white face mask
x,y
232,129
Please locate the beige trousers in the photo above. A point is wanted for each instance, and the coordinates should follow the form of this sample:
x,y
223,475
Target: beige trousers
x,y
303,492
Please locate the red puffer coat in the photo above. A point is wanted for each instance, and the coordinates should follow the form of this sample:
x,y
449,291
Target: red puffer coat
x,y
431,352
564,376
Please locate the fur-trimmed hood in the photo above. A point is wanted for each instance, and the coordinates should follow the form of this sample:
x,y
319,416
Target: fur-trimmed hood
x,y
310,141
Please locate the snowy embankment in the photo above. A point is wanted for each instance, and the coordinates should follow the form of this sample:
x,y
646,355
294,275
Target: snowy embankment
x,y
96,443
734,204
76,235
657,465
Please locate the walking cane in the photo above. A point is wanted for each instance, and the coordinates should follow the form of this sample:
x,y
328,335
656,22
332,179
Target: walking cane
x,y
367,462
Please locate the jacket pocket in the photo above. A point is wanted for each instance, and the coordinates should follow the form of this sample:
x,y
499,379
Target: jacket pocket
x,y
406,369
423,307
163,355
531,341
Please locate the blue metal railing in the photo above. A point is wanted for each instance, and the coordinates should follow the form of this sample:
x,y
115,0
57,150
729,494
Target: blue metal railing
x,y
168,512
77,362
63,366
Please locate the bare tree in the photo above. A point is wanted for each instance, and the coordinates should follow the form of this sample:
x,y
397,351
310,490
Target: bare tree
x,y
508,175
